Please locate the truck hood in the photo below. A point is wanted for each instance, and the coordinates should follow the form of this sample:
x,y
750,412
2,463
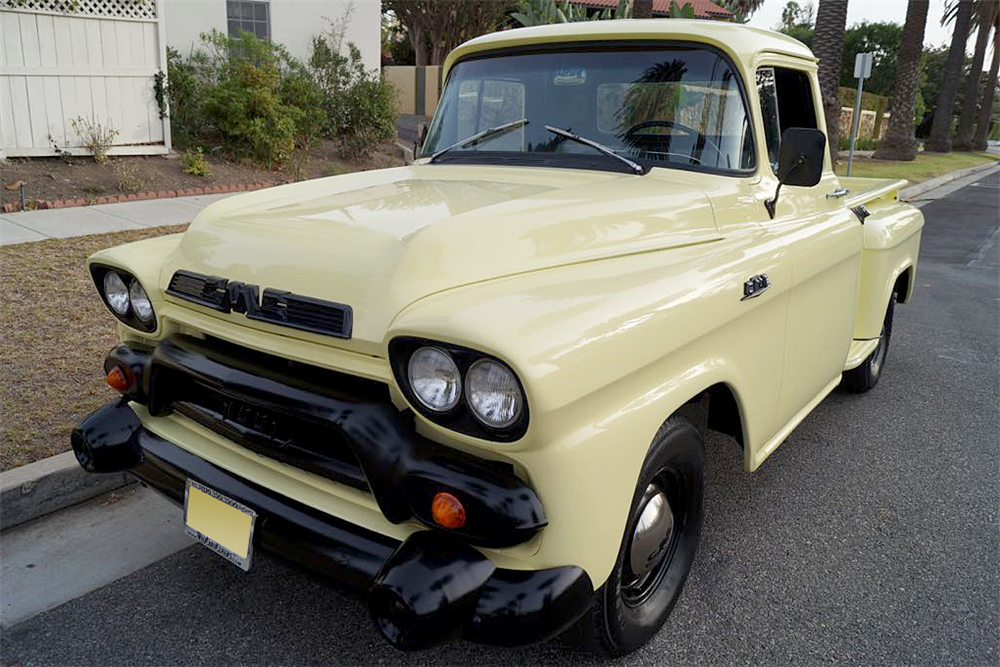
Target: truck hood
x,y
380,240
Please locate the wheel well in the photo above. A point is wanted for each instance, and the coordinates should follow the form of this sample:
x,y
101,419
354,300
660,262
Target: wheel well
x,y
902,286
715,408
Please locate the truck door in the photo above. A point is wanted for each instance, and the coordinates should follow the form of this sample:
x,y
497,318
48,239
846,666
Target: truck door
x,y
823,241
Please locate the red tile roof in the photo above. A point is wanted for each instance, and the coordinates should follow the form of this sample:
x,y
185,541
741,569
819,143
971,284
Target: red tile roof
x,y
703,9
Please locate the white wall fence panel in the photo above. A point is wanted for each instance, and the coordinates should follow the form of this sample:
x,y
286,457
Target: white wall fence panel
x,y
66,60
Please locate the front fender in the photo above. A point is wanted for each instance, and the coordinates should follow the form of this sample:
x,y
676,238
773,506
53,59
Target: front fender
x,y
606,352
143,259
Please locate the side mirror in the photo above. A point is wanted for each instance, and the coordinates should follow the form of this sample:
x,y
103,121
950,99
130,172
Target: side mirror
x,y
800,161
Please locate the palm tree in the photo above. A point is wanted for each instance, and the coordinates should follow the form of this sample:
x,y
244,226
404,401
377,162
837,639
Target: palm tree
x,y
642,9
966,122
940,139
900,142
828,46
986,109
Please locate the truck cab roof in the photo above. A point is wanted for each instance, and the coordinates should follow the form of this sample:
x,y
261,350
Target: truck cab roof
x,y
742,42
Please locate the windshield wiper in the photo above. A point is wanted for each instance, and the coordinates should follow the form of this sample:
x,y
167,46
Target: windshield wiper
x,y
479,136
635,166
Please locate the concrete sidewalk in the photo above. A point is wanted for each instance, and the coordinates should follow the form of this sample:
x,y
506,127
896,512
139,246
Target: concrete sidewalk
x,y
78,221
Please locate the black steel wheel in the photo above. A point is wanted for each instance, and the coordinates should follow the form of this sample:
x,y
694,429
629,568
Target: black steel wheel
x,y
658,547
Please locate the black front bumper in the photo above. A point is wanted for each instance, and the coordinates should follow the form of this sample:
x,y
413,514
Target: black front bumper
x,y
431,588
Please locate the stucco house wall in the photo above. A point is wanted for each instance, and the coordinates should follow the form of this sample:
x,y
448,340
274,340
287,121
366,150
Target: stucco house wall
x,y
292,23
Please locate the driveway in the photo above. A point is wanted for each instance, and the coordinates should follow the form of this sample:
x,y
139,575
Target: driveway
x,y
870,537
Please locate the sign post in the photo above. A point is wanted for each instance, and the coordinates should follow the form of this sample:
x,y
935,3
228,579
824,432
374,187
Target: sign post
x,y
862,71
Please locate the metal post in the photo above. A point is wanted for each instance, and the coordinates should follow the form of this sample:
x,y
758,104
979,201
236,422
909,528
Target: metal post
x,y
862,70
854,123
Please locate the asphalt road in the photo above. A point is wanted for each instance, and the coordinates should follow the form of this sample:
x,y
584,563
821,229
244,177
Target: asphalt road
x,y
870,537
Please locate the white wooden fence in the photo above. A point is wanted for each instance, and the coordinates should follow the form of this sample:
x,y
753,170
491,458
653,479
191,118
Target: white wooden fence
x,y
89,61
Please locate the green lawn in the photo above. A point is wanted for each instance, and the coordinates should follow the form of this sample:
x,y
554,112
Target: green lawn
x,y
925,167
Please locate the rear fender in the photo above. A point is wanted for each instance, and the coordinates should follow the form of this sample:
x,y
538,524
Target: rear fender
x,y
891,248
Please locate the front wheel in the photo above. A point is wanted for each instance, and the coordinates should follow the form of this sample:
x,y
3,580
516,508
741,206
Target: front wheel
x,y
660,541
866,376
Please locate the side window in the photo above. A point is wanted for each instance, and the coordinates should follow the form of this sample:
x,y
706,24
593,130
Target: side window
x,y
786,101
484,103
769,111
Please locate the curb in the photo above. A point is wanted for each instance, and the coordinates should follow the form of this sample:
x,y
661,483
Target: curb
x,y
49,485
920,188
41,204
405,152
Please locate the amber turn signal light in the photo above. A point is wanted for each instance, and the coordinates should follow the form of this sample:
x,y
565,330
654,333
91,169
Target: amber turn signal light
x,y
447,511
117,380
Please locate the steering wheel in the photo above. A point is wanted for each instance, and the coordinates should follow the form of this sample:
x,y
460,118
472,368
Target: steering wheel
x,y
632,131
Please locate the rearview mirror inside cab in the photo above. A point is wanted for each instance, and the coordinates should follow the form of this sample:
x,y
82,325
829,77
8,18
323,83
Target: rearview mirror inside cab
x,y
800,161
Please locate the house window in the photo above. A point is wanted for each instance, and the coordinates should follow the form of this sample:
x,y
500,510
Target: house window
x,y
250,16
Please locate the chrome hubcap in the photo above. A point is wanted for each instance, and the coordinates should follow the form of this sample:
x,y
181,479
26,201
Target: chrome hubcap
x,y
652,532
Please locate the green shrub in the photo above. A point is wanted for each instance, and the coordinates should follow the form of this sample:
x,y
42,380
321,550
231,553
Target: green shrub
x,y
184,92
360,106
246,93
860,144
254,99
300,92
193,162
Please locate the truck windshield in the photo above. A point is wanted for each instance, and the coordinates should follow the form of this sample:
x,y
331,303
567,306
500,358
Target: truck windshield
x,y
670,106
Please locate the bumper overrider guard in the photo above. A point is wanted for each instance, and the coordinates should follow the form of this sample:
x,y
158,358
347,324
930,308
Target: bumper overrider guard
x,y
430,588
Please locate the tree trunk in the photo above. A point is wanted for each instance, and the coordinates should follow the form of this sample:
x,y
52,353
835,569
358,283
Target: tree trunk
x,y
642,9
419,43
438,52
940,139
828,46
986,110
900,142
970,104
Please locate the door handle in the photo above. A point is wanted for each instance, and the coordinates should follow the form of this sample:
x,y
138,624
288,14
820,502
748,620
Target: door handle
x,y
838,193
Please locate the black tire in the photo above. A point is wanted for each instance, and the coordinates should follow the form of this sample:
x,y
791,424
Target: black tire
x,y
628,610
865,376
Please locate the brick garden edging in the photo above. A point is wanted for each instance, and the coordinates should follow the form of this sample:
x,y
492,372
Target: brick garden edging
x,y
37,204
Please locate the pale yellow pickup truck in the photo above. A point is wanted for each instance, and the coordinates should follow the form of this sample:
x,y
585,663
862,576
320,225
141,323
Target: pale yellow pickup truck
x,y
475,389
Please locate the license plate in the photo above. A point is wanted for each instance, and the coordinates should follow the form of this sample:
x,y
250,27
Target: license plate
x,y
220,523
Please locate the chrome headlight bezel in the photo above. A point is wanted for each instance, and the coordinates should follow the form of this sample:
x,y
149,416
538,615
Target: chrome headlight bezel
x,y
99,273
461,417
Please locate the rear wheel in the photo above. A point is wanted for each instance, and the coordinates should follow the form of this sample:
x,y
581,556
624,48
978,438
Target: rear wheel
x,y
865,376
660,541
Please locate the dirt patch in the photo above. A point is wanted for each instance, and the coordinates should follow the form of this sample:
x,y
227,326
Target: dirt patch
x,y
82,178
56,332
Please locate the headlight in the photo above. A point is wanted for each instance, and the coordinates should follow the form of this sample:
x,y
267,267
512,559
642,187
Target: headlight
x,y
124,296
141,306
460,388
435,379
493,393
116,293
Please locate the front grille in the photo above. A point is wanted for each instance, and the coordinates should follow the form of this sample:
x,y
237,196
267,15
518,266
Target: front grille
x,y
276,307
207,291
264,424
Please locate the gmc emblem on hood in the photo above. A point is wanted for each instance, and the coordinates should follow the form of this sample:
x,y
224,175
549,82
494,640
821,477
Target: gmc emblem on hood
x,y
276,306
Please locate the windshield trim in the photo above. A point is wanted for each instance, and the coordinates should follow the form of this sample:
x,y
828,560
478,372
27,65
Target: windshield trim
x,y
607,45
